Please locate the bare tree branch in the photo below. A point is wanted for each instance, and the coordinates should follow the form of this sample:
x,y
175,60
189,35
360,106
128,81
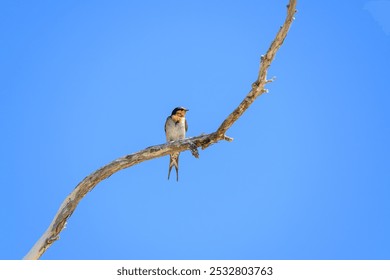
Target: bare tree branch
x,y
72,200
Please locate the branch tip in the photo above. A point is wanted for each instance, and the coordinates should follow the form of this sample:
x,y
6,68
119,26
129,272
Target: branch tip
x,y
270,80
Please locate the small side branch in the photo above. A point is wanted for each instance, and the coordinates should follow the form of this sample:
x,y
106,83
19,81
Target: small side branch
x,y
203,141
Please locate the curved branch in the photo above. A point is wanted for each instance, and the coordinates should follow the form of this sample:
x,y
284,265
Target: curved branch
x,y
88,183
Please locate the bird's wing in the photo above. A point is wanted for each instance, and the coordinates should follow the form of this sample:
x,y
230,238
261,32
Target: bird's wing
x,y
166,122
186,125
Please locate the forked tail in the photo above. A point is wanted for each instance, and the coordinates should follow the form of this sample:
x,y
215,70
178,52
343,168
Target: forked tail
x,y
174,161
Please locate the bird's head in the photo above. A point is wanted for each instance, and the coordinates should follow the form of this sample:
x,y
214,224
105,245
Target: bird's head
x,y
179,112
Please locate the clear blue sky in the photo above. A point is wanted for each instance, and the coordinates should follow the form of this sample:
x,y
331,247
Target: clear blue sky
x,y
306,177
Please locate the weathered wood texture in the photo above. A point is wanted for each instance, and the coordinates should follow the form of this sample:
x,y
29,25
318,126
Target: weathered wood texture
x,y
72,200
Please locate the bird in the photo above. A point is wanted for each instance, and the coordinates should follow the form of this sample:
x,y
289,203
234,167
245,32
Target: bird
x,y
175,129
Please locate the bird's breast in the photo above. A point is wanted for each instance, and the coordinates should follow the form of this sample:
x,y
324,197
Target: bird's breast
x,y
175,130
